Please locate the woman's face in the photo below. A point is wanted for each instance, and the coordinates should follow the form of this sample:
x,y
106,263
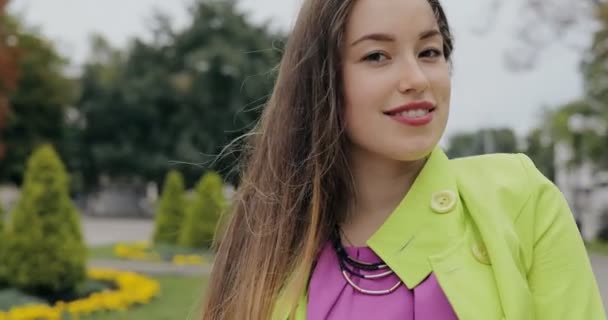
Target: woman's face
x,y
396,79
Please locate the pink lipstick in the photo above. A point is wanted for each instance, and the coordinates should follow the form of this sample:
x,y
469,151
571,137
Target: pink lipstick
x,y
416,114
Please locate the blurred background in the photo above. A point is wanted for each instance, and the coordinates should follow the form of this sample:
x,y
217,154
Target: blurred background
x,y
119,110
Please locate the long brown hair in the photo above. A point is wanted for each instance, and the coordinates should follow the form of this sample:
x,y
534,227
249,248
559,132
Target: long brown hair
x,y
295,179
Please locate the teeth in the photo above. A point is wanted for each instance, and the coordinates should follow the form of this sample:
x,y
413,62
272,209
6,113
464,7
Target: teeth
x,y
414,113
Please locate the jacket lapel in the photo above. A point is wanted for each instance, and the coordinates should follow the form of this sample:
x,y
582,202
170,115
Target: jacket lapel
x,y
415,230
418,239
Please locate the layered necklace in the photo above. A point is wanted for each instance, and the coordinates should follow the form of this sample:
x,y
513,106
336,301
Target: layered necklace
x,y
348,265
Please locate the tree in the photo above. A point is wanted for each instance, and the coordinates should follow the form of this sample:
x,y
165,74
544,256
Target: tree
x,y
1,219
595,74
594,68
171,210
540,148
481,142
45,252
181,97
541,24
588,142
38,103
3,274
204,213
9,73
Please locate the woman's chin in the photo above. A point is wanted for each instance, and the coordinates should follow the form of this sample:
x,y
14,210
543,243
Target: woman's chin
x,y
413,150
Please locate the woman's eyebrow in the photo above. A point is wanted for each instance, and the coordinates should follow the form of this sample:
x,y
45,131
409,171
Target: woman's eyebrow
x,y
385,37
429,34
382,37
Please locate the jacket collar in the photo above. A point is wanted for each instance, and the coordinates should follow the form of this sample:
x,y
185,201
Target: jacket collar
x,y
417,229
414,234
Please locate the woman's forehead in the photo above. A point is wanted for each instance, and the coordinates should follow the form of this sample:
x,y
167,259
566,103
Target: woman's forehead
x,y
390,16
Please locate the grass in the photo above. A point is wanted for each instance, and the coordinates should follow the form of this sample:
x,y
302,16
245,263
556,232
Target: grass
x,y
105,251
178,300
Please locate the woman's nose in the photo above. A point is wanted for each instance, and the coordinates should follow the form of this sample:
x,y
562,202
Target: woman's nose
x,y
412,77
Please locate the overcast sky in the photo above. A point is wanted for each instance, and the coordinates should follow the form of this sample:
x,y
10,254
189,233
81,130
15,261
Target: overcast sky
x,y
485,93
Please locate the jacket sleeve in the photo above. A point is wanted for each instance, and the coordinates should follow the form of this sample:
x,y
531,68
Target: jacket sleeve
x,y
560,277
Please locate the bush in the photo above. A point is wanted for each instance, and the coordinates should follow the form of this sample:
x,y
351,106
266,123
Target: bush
x,y
3,274
1,221
204,212
44,251
171,210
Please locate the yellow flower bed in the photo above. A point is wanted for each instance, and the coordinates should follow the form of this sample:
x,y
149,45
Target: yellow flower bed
x,y
133,289
143,251
136,251
180,259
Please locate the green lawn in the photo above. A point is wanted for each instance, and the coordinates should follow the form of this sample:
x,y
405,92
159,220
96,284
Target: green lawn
x,y
105,251
178,301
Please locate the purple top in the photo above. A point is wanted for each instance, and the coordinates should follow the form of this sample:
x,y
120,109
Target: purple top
x,y
331,297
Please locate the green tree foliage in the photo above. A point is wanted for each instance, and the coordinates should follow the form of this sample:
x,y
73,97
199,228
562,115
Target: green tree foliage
x,y
1,220
595,75
2,217
38,105
540,148
44,251
171,210
9,72
588,143
3,273
591,143
204,212
180,97
480,142
594,68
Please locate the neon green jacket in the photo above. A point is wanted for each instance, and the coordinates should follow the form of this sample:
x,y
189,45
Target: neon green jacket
x,y
499,237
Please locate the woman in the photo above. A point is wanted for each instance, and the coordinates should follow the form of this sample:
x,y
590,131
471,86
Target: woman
x,y
349,210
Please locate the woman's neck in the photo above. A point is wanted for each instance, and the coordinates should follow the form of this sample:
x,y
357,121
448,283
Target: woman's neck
x,y
379,186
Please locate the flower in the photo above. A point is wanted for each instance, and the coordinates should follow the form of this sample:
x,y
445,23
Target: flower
x,y
136,251
132,289
144,251
179,259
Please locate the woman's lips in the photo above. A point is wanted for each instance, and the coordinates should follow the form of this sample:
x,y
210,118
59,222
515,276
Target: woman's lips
x,y
415,118
413,114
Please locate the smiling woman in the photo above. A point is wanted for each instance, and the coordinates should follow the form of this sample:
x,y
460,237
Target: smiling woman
x,y
396,67
348,204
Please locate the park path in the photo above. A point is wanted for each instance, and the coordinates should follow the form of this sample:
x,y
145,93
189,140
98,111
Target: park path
x,y
151,268
101,231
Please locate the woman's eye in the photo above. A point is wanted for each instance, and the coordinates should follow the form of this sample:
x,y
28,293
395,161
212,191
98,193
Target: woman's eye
x,y
431,53
375,57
